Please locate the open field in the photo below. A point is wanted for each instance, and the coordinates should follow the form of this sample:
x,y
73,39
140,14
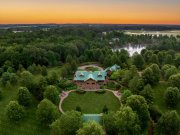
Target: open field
x,y
142,32
28,126
159,98
91,102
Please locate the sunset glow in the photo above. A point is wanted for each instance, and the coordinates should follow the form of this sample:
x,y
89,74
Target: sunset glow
x,y
90,11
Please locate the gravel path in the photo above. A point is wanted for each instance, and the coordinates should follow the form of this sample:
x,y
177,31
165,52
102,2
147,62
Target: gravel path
x,y
91,65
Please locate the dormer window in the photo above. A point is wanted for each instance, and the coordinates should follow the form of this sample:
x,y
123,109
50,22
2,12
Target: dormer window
x,y
81,75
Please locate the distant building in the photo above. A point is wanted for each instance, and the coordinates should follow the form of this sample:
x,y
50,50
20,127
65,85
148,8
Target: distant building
x,y
93,80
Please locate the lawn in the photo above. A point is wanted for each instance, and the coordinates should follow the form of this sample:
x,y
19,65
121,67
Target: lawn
x,y
91,102
159,98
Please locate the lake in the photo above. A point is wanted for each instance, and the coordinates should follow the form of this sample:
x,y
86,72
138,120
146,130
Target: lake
x,y
131,49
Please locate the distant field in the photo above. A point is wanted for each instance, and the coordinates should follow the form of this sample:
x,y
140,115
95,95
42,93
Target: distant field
x,y
142,32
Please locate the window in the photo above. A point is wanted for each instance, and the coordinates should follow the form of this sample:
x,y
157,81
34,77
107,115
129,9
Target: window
x,y
93,83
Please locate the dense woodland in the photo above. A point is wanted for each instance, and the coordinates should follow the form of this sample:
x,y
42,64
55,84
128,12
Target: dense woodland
x,y
26,56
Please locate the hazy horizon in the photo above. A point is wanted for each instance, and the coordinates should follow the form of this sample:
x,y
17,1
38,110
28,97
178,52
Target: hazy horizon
x,y
90,12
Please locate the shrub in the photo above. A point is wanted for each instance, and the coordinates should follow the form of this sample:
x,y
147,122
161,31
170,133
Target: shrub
x,y
101,91
80,91
24,96
14,111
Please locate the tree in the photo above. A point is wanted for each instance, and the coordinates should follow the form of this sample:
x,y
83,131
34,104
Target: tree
x,y
136,85
26,79
147,76
52,94
147,93
105,109
24,96
67,124
151,75
13,79
154,59
174,80
139,105
14,111
5,78
170,71
91,128
172,96
64,72
44,71
53,78
127,122
168,124
138,60
177,61
46,112
125,95
156,73
168,59
109,123
78,108
73,66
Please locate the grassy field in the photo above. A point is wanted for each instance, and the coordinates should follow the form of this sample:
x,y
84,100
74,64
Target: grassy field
x,y
91,102
28,126
142,32
159,98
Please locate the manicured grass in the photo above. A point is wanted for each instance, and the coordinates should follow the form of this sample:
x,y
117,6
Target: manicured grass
x,y
91,102
28,126
159,98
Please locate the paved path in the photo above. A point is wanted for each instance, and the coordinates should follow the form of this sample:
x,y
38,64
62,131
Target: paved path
x,y
91,65
65,94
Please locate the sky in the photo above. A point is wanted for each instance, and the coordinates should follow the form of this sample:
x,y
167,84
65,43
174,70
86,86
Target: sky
x,y
90,11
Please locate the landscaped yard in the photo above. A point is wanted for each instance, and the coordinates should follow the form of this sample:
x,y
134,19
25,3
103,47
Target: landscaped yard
x,y
91,102
159,98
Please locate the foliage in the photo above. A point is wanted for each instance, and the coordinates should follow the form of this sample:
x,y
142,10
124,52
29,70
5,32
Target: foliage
x,y
91,128
125,95
26,79
138,60
105,109
44,71
79,91
101,91
46,112
147,93
139,105
24,96
51,93
174,80
172,96
155,113
124,122
14,111
168,124
67,124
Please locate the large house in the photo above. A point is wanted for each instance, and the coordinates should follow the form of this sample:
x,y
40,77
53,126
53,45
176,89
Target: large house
x,y
93,80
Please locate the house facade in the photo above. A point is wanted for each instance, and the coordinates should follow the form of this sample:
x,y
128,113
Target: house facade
x,y
93,80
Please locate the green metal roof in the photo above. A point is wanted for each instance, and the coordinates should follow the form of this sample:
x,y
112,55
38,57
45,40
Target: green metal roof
x,y
96,75
85,75
113,68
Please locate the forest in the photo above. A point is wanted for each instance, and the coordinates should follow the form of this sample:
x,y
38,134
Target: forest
x,y
37,65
